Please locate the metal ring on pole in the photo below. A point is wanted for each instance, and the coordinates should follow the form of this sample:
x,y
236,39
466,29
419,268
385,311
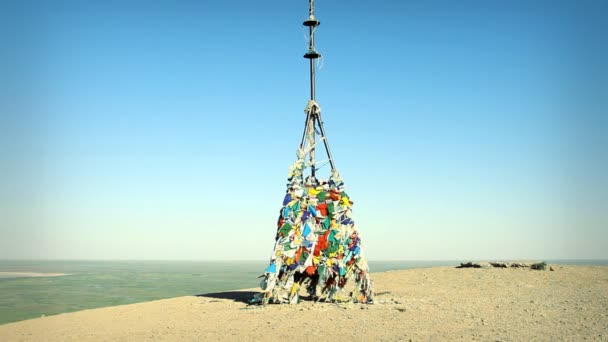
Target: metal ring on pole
x,y
312,22
312,54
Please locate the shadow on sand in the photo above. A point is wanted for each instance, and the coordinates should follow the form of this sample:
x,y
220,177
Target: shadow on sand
x,y
237,296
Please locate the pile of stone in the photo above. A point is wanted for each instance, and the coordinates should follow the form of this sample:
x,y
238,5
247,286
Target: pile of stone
x,y
317,244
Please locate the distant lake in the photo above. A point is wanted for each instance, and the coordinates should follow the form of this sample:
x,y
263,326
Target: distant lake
x,y
94,284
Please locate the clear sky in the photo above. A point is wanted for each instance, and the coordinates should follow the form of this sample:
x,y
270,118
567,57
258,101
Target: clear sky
x,y
164,129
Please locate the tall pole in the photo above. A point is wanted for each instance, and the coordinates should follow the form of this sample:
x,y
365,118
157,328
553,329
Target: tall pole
x,y
312,55
311,47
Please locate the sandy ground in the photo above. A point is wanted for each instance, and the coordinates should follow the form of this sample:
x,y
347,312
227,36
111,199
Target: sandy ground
x,y
432,304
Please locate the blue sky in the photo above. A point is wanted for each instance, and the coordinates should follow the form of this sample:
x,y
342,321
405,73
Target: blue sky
x,y
164,130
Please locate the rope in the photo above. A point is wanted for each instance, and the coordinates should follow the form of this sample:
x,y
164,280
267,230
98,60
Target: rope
x,y
310,107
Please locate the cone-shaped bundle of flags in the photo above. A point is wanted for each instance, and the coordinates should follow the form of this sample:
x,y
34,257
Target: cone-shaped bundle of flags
x,y
317,246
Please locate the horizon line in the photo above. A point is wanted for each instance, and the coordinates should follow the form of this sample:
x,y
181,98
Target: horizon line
x,y
261,260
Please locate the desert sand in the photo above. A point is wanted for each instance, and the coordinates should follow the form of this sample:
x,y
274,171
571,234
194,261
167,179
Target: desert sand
x,y
570,303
